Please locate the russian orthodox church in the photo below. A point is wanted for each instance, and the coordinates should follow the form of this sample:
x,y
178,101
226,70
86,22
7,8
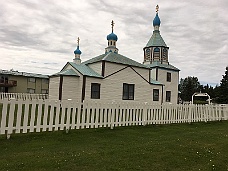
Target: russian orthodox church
x,y
114,77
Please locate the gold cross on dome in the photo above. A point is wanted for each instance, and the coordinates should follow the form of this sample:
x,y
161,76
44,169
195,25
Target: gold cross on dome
x,y
157,8
78,41
112,23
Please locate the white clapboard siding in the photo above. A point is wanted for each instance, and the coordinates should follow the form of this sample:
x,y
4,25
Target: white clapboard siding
x,y
71,88
169,86
112,87
22,116
111,68
54,88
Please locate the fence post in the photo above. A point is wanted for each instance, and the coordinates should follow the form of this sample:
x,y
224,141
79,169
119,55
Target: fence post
x,y
144,113
190,113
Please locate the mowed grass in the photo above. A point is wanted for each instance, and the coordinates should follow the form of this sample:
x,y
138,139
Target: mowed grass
x,y
197,146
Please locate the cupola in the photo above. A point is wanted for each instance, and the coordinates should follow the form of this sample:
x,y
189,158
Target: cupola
x,y
156,21
77,54
112,39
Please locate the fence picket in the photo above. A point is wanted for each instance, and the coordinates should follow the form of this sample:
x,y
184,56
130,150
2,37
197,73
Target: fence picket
x,y
4,115
11,117
32,115
19,114
26,117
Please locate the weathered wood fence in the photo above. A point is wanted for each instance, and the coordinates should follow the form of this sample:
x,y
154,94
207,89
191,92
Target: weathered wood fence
x,y
18,116
22,96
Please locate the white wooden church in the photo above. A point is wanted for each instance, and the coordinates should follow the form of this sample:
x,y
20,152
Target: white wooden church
x,y
114,77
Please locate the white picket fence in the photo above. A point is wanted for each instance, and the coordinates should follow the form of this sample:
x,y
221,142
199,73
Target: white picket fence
x,y
18,116
23,96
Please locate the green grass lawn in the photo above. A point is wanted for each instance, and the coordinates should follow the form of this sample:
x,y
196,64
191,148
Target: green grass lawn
x,y
198,146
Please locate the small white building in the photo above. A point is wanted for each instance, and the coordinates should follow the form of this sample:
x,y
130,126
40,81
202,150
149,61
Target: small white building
x,y
114,77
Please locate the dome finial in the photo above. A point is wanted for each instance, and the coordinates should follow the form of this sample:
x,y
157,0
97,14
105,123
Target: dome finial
x,y
78,41
77,51
157,9
112,24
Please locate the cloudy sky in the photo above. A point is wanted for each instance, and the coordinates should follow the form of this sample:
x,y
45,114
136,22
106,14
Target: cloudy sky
x,y
39,36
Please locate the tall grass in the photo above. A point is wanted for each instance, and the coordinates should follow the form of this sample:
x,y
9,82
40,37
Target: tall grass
x,y
197,146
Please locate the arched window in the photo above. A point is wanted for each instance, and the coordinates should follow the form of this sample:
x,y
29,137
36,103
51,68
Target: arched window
x,y
111,43
156,54
165,55
147,54
114,43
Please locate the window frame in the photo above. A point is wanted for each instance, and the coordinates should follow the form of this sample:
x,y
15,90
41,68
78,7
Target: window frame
x,y
168,97
169,77
128,91
95,94
45,81
156,97
29,90
30,79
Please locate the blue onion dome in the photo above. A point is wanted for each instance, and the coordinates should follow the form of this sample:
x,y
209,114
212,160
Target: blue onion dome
x,y
77,51
156,21
112,36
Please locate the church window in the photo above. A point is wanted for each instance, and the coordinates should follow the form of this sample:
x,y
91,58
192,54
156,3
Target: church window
x,y
168,96
147,54
128,91
168,77
111,42
114,43
165,54
156,53
155,94
95,91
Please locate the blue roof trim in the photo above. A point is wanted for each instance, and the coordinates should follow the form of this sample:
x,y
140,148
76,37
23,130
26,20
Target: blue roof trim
x,y
155,82
165,66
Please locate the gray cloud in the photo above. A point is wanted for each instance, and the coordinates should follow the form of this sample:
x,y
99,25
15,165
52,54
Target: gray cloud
x,y
40,35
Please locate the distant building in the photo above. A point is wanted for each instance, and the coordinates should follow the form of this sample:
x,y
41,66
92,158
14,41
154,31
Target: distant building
x,y
114,77
22,82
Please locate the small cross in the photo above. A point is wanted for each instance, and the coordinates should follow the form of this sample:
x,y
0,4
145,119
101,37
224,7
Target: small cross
x,y
112,23
157,8
78,41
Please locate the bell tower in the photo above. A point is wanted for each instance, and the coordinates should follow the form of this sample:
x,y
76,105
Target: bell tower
x,y
156,48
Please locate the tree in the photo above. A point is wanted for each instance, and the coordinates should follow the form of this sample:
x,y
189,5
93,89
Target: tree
x,y
223,89
188,87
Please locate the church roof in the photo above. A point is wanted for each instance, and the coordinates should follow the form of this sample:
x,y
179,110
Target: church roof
x,y
165,66
115,58
25,74
152,81
67,72
85,70
156,40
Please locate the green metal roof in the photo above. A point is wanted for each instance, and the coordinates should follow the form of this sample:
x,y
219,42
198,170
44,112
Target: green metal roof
x,y
115,58
155,82
156,40
24,74
68,72
85,70
165,66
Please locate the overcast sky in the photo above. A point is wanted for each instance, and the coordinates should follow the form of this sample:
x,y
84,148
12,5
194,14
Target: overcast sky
x,y
39,36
